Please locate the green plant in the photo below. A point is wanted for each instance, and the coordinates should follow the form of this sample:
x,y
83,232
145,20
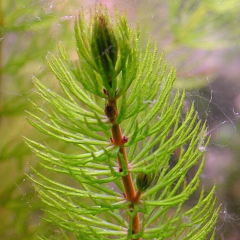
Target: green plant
x,y
120,125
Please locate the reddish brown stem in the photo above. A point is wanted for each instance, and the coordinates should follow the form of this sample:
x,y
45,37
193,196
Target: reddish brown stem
x,y
129,189
137,196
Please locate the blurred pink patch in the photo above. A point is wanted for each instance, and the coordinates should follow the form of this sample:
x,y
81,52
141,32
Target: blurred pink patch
x,y
108,3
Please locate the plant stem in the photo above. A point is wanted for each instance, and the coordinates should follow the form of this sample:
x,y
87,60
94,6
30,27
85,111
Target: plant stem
x,y
137,196
129,188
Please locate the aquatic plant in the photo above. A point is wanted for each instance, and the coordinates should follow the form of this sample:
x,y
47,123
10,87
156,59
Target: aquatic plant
x,y
121,124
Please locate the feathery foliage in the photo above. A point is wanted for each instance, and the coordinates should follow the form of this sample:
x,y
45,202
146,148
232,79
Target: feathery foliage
x,y
118,116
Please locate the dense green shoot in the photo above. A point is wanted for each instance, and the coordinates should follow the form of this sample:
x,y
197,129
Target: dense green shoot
x,y
121,126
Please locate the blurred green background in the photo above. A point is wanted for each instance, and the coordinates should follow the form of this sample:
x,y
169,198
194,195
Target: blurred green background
x,y
200,38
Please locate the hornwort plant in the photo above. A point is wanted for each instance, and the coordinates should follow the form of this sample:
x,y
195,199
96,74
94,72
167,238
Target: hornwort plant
x,y
120,125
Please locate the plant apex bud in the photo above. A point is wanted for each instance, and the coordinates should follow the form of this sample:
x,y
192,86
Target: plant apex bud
x,y
104,46
144,181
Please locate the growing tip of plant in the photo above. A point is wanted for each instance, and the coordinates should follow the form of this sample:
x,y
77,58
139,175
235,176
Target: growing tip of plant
x,y
104,47
144,181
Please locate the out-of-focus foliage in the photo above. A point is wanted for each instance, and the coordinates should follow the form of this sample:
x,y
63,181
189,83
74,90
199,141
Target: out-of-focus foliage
x,y
28,30
194,35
